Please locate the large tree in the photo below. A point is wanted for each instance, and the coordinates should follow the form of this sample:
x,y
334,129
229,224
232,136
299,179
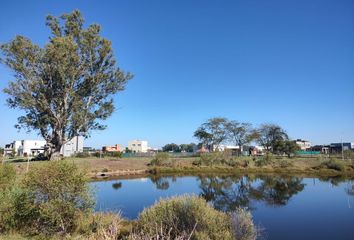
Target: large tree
x,y
239,133
268,135
213,132
171,147
64,88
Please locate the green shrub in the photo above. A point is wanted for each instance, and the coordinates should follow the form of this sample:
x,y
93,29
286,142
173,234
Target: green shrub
x,y
337,165
82,155
181,216
49,200
113,154
197,162
7,176
212,158
160,159
58,193
16,210
285,163
264,160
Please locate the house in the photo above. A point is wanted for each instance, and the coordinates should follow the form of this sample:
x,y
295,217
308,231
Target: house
x,y
222,148
115,148
26,148
138,146
75,145
324,149
338,147
256,150
303,144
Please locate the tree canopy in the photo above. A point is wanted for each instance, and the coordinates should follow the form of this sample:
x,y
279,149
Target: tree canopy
x,y
269,135
64,88
213,132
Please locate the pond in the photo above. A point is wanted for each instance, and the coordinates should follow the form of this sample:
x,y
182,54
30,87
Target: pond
x,y
284,207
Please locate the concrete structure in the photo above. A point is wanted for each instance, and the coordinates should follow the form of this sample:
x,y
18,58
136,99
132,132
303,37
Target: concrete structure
x,y
303,144
75,145
138,146
26,148
324,149
115,148
337,147
222,148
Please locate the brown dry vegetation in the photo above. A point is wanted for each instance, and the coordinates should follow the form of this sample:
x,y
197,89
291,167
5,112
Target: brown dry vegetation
x,y
125,167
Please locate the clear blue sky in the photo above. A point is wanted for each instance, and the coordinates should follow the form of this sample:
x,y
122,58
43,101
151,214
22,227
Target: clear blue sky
x,y
287,62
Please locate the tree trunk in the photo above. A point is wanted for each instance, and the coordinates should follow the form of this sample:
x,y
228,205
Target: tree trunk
x,y
54,151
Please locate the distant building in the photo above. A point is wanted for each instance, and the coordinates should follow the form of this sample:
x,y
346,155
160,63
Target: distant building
x,y
138,146
324,149
303,144
75,145
225,147
26,148
115,148
337,147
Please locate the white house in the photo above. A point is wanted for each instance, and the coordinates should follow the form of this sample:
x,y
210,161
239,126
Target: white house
x,y
75,145
222,147
303,144
26,148
138,146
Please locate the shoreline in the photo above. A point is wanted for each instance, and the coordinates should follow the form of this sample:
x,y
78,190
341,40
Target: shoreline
x,y
209,171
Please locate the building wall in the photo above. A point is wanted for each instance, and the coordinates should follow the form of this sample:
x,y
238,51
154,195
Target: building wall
x,y
34,147
303,144
75,145
115,148
138,146
30,147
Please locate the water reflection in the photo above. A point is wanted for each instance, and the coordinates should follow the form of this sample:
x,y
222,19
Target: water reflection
x,y
228,193
161,183
117,185
310,202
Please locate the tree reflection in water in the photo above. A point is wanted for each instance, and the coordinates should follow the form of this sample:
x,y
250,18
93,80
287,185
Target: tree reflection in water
x,y
228,193
336,180
117,185
161,183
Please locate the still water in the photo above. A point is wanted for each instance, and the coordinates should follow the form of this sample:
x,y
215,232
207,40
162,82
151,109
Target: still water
x,y
284,207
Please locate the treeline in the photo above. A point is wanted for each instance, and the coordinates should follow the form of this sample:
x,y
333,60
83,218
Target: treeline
x,y
172,147
219,130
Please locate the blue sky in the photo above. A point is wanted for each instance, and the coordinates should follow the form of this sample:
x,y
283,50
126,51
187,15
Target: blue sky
x,y
286,62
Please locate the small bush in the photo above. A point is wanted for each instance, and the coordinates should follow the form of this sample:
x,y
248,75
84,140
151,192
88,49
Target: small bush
x,y
242,225
105,226
181,216
82,155
7,176
197,162
334,164
285,163
113,154
212,158
160,159
16,210
265,160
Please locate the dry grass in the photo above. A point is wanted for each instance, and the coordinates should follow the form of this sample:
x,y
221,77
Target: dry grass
x,y
113,167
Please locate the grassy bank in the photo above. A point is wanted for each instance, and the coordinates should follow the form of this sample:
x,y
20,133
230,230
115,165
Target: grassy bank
x,y
97,168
